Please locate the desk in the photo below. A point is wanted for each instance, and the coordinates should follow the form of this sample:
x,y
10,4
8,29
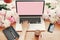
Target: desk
x,y
29,35
2,37
32,28
45,36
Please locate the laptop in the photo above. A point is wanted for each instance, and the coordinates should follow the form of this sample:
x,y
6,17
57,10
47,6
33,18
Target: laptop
x,y
30,10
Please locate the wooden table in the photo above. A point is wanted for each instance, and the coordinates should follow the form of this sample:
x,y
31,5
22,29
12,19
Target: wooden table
x,y
24,33
29,35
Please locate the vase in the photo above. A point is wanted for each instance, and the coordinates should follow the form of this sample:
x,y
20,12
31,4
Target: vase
x,y
7,1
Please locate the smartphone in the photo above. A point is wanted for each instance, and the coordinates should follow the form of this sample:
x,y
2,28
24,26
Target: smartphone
x,y
51,28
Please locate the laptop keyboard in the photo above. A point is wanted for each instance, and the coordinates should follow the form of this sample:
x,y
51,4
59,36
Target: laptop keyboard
x,y
31,19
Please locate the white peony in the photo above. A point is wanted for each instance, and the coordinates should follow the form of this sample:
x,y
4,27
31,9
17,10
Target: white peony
x,y
6,23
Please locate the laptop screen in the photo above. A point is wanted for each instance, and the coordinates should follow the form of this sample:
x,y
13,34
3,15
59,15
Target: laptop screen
x,y
30,7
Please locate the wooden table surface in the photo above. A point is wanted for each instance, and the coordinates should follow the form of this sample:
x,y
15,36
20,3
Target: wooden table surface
x,y
29,35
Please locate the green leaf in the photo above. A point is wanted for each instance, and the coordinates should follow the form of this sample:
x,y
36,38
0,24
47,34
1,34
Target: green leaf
x,y
4,6
52,8
49,6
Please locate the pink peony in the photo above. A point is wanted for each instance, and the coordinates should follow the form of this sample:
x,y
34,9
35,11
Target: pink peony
x,y
11,19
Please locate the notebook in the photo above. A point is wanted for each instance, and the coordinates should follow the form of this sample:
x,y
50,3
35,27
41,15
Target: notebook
x,y
10,33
